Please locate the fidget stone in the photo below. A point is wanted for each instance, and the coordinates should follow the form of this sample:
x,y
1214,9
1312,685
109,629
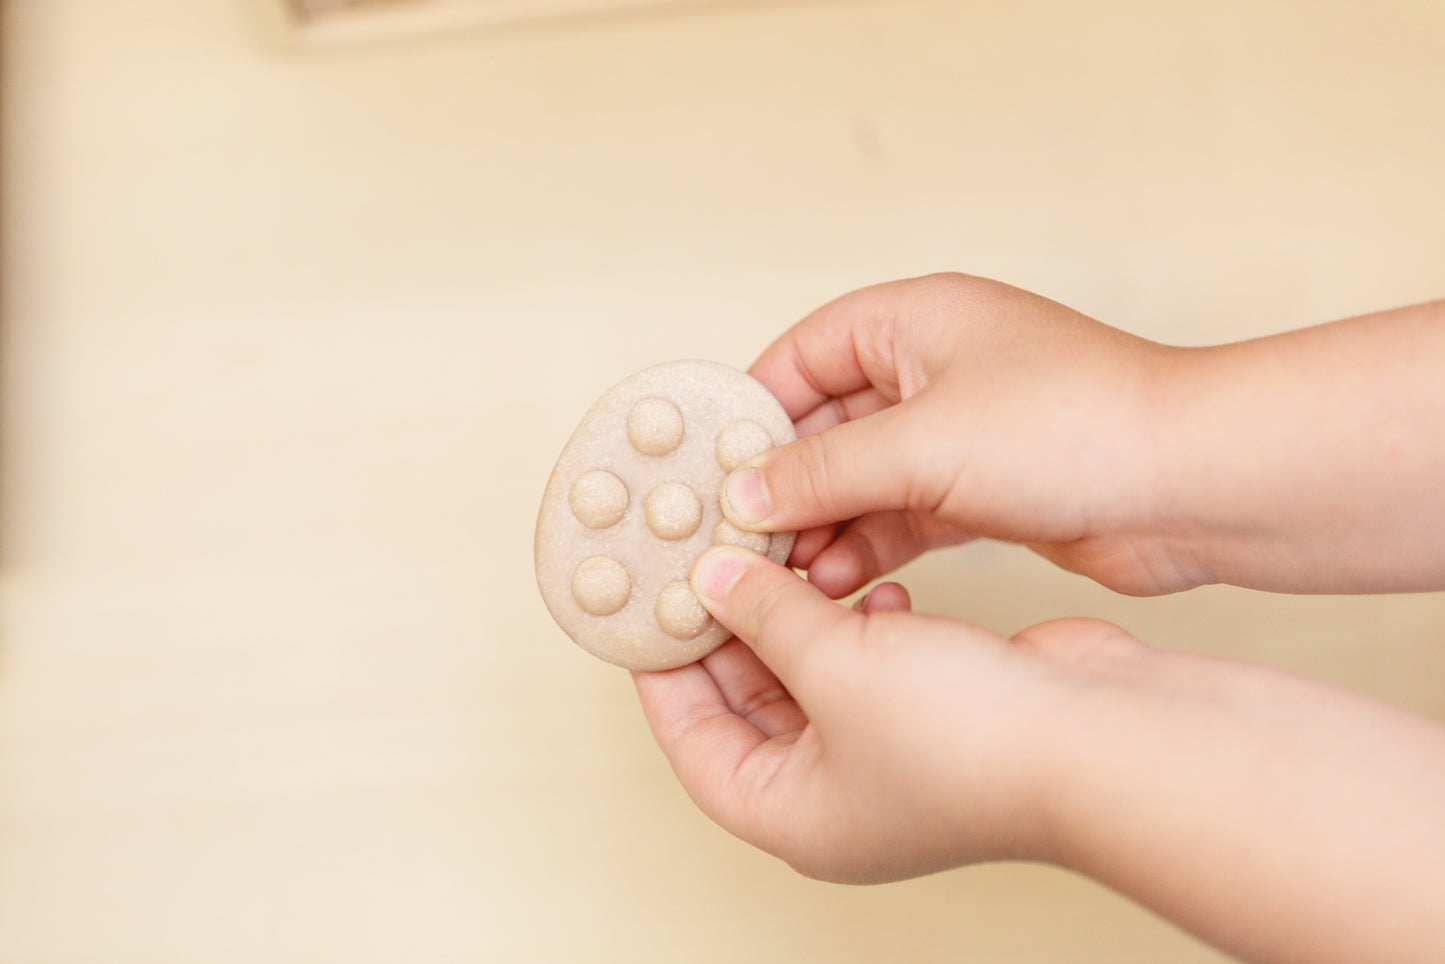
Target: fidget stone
x,y
633,501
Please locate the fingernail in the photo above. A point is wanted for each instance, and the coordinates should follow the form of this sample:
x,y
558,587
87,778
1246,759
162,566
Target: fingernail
x,y
861,605
717,571
746,496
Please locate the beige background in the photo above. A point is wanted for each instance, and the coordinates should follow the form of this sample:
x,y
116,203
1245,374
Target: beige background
x,y
292,339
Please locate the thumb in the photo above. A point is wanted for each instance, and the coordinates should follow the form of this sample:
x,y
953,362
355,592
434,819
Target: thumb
x,y
841,473
780,615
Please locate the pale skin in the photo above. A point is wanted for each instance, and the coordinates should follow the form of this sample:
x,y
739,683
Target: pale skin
x,y
1277,818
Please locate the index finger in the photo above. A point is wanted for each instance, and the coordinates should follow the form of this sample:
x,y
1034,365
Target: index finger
x,y
842,348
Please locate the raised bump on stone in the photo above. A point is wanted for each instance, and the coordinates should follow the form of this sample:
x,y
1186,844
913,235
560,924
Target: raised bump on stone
x,y
739,442
600,585
654,426
727,534
679,613
673,511
598,499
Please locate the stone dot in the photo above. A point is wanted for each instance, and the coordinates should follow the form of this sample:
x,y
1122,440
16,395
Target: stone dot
x,y
739,442
679,613
601,586
673,511
727,534
598,499
654,426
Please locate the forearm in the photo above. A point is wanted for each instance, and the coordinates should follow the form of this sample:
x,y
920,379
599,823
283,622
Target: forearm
x,y
1280,819
1312,461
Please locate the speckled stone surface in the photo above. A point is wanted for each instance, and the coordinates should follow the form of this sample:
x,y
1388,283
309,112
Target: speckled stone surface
x,y
633,501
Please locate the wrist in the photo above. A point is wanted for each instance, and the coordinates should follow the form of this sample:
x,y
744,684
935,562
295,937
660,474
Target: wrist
x,y
1096,682
1147,535
1306,461
1202,474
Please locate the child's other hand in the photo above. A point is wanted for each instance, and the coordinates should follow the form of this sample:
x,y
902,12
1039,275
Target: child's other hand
x,y
1246,805
867,746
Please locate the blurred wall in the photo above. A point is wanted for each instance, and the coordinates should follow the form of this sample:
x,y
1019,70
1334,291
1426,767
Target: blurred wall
x,y
292,338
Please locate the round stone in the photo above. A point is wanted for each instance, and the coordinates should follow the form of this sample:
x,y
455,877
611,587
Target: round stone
x,y
673,511
727,534
598,499
679,613
739,442
654,426
600,585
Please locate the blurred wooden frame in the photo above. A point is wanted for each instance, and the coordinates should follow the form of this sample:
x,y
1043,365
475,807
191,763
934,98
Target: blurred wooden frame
x,y
332,22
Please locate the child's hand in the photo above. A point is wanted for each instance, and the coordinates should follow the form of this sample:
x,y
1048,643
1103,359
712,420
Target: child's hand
x,y
867,746
946,407
1282,820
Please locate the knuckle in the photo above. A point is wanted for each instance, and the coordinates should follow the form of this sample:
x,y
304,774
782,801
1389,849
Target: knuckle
x,y
1082,642
811,479
766,610
946,280
945,288
882,633
758,697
